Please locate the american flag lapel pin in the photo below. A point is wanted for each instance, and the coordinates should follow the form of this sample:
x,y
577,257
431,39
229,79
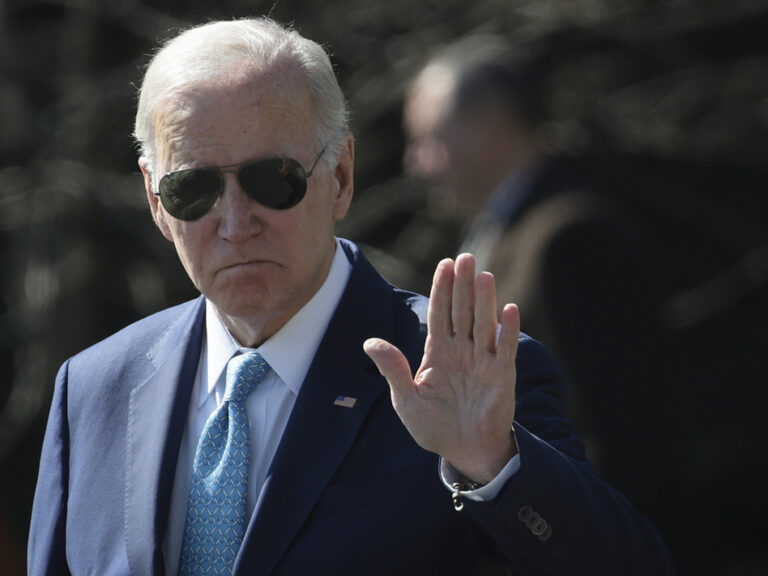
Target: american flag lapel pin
x,y
345,401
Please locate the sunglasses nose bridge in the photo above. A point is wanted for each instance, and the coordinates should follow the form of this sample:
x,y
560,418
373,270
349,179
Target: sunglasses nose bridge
x,y
247,189
232,189
228,177
238,204
232,186
237,219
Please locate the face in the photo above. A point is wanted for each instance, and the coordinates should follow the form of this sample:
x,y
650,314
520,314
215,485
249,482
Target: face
x,y
464,155
257,265
426,155
441,150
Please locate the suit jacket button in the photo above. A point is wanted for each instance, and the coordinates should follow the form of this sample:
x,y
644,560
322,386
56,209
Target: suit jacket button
x,y
525,513
539,527
533,519
547,534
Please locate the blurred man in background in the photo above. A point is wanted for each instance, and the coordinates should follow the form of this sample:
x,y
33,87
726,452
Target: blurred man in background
x,y
579,266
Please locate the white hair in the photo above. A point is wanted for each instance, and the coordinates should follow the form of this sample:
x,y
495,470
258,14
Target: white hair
x,y
211,50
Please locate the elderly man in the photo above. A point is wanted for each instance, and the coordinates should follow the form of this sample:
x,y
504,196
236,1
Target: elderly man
x,y
250,431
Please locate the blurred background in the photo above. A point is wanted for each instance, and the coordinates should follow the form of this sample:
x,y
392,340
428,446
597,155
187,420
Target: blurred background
x,y
663,104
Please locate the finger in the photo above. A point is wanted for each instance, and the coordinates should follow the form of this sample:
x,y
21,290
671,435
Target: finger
x,y
486,323
391,363
440,297
510,333
462,307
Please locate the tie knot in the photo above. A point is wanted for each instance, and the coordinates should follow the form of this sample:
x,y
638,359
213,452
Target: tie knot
x,y
244,371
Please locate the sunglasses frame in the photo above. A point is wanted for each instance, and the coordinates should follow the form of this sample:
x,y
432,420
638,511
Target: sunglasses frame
x,y
237,169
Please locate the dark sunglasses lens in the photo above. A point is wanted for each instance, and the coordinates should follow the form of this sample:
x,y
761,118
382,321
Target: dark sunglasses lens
x,y
277,183
188,194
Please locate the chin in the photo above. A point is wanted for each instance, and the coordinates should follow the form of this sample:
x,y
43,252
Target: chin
x,y
245,303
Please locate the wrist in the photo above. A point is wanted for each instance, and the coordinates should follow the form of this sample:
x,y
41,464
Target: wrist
x,y
479,471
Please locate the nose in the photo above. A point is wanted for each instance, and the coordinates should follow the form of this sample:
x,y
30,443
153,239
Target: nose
x,y
238,213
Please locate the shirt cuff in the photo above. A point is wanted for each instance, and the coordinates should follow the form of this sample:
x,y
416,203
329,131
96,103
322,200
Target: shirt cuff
x,y
484,493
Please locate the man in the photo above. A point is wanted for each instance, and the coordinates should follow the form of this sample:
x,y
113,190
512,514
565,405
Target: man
x,y
578,265
326,473
471,118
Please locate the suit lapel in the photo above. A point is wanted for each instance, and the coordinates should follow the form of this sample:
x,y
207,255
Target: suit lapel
x,y
319,433
156,419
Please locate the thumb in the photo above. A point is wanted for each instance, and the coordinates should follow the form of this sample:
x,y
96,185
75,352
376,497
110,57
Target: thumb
x,y
392,364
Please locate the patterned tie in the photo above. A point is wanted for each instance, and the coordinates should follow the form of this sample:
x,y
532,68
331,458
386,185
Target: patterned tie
x,y
217,492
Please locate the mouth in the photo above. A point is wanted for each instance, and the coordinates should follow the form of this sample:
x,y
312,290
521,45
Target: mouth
x,y
247,265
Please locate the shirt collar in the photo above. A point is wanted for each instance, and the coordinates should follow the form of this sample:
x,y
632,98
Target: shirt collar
x,y
509,195
291,349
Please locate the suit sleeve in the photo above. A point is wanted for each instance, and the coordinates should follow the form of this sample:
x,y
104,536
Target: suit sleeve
x,y
46,552
555,515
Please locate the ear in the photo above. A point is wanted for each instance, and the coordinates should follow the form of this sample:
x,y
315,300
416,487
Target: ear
x,y
344,179
158,214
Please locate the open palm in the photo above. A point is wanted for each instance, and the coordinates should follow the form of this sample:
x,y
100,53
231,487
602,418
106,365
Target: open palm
x,y
461,402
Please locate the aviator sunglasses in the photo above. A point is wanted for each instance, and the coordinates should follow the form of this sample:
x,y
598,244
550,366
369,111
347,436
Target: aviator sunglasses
x,y
277,183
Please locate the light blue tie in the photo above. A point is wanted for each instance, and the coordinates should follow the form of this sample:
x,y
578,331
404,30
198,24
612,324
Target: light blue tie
x,y
217,492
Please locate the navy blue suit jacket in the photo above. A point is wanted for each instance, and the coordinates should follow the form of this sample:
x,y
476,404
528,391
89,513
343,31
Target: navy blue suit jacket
x,y
348,492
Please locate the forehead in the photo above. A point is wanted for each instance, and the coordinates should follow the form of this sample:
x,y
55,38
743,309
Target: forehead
x,y
429,99
224,118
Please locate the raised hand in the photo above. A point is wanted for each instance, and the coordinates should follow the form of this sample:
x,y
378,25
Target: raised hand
x,y
461,402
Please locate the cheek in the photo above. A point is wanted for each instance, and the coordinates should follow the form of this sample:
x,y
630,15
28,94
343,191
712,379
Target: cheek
x,y
310,234
456,150
188,239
